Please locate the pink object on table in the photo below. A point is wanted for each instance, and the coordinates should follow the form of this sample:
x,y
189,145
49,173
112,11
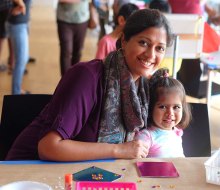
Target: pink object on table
x,y
105,185
157,169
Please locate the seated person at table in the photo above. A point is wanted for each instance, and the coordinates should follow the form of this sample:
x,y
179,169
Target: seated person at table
x,y
168,115
107,43
98,106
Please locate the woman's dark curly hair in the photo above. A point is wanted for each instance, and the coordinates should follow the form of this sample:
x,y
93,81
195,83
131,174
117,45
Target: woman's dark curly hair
x,y
161,84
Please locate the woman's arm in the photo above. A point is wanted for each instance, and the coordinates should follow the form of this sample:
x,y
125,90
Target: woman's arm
x,y
53,147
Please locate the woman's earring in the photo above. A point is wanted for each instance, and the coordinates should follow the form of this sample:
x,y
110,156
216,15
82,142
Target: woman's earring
x,y
121,51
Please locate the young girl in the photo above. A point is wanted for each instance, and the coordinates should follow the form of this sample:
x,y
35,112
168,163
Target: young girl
x,y
168,115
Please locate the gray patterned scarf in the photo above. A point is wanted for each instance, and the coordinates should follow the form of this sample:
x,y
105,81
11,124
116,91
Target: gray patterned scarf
x,y
125,109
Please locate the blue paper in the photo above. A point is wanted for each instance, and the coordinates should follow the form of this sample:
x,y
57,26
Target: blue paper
x,y
25,162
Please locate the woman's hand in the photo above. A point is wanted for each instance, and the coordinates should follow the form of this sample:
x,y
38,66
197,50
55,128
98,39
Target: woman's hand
x,y
132,149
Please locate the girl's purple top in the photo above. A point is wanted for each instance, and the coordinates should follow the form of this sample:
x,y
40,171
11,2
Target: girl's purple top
x,y
74,111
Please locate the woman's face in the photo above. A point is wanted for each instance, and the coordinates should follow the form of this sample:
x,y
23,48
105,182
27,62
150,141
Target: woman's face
x,y
144,51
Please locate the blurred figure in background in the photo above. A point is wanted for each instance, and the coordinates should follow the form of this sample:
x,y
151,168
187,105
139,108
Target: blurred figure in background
x,y
212,9
4,36
201,7
186,6
72,22
102,7
161,5
116,6
18,33
215,20
5,8
108,43
17,4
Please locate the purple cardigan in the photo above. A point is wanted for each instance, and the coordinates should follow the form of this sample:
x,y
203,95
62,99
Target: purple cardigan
x,y
74,111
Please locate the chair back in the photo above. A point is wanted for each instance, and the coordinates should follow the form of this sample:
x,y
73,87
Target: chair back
x,y
196,137
18,111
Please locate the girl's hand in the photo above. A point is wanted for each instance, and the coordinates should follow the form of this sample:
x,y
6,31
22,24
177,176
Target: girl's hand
x,y
132,149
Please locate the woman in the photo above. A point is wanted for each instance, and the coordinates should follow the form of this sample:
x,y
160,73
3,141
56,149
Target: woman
x,y
105,102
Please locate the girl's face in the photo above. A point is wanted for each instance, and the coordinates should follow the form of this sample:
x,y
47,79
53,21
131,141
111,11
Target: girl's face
x,y
144,51
168,111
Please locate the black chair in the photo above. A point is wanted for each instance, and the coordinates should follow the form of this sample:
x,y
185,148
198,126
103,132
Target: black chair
x,y
190,74
17,112
196,138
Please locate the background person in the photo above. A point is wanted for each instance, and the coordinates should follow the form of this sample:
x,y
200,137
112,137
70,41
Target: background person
x,y
18,34
19,5
5,8
102,7
3,36
162,5
72,22
108,43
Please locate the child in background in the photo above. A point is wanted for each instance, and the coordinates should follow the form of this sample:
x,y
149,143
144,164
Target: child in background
x,y
117,4
102,7
168,115
107,44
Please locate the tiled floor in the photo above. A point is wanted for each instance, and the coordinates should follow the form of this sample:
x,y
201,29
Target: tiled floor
x,y
44,75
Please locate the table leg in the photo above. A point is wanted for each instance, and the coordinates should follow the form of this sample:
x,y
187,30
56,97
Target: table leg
x,y
175,56
209,86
